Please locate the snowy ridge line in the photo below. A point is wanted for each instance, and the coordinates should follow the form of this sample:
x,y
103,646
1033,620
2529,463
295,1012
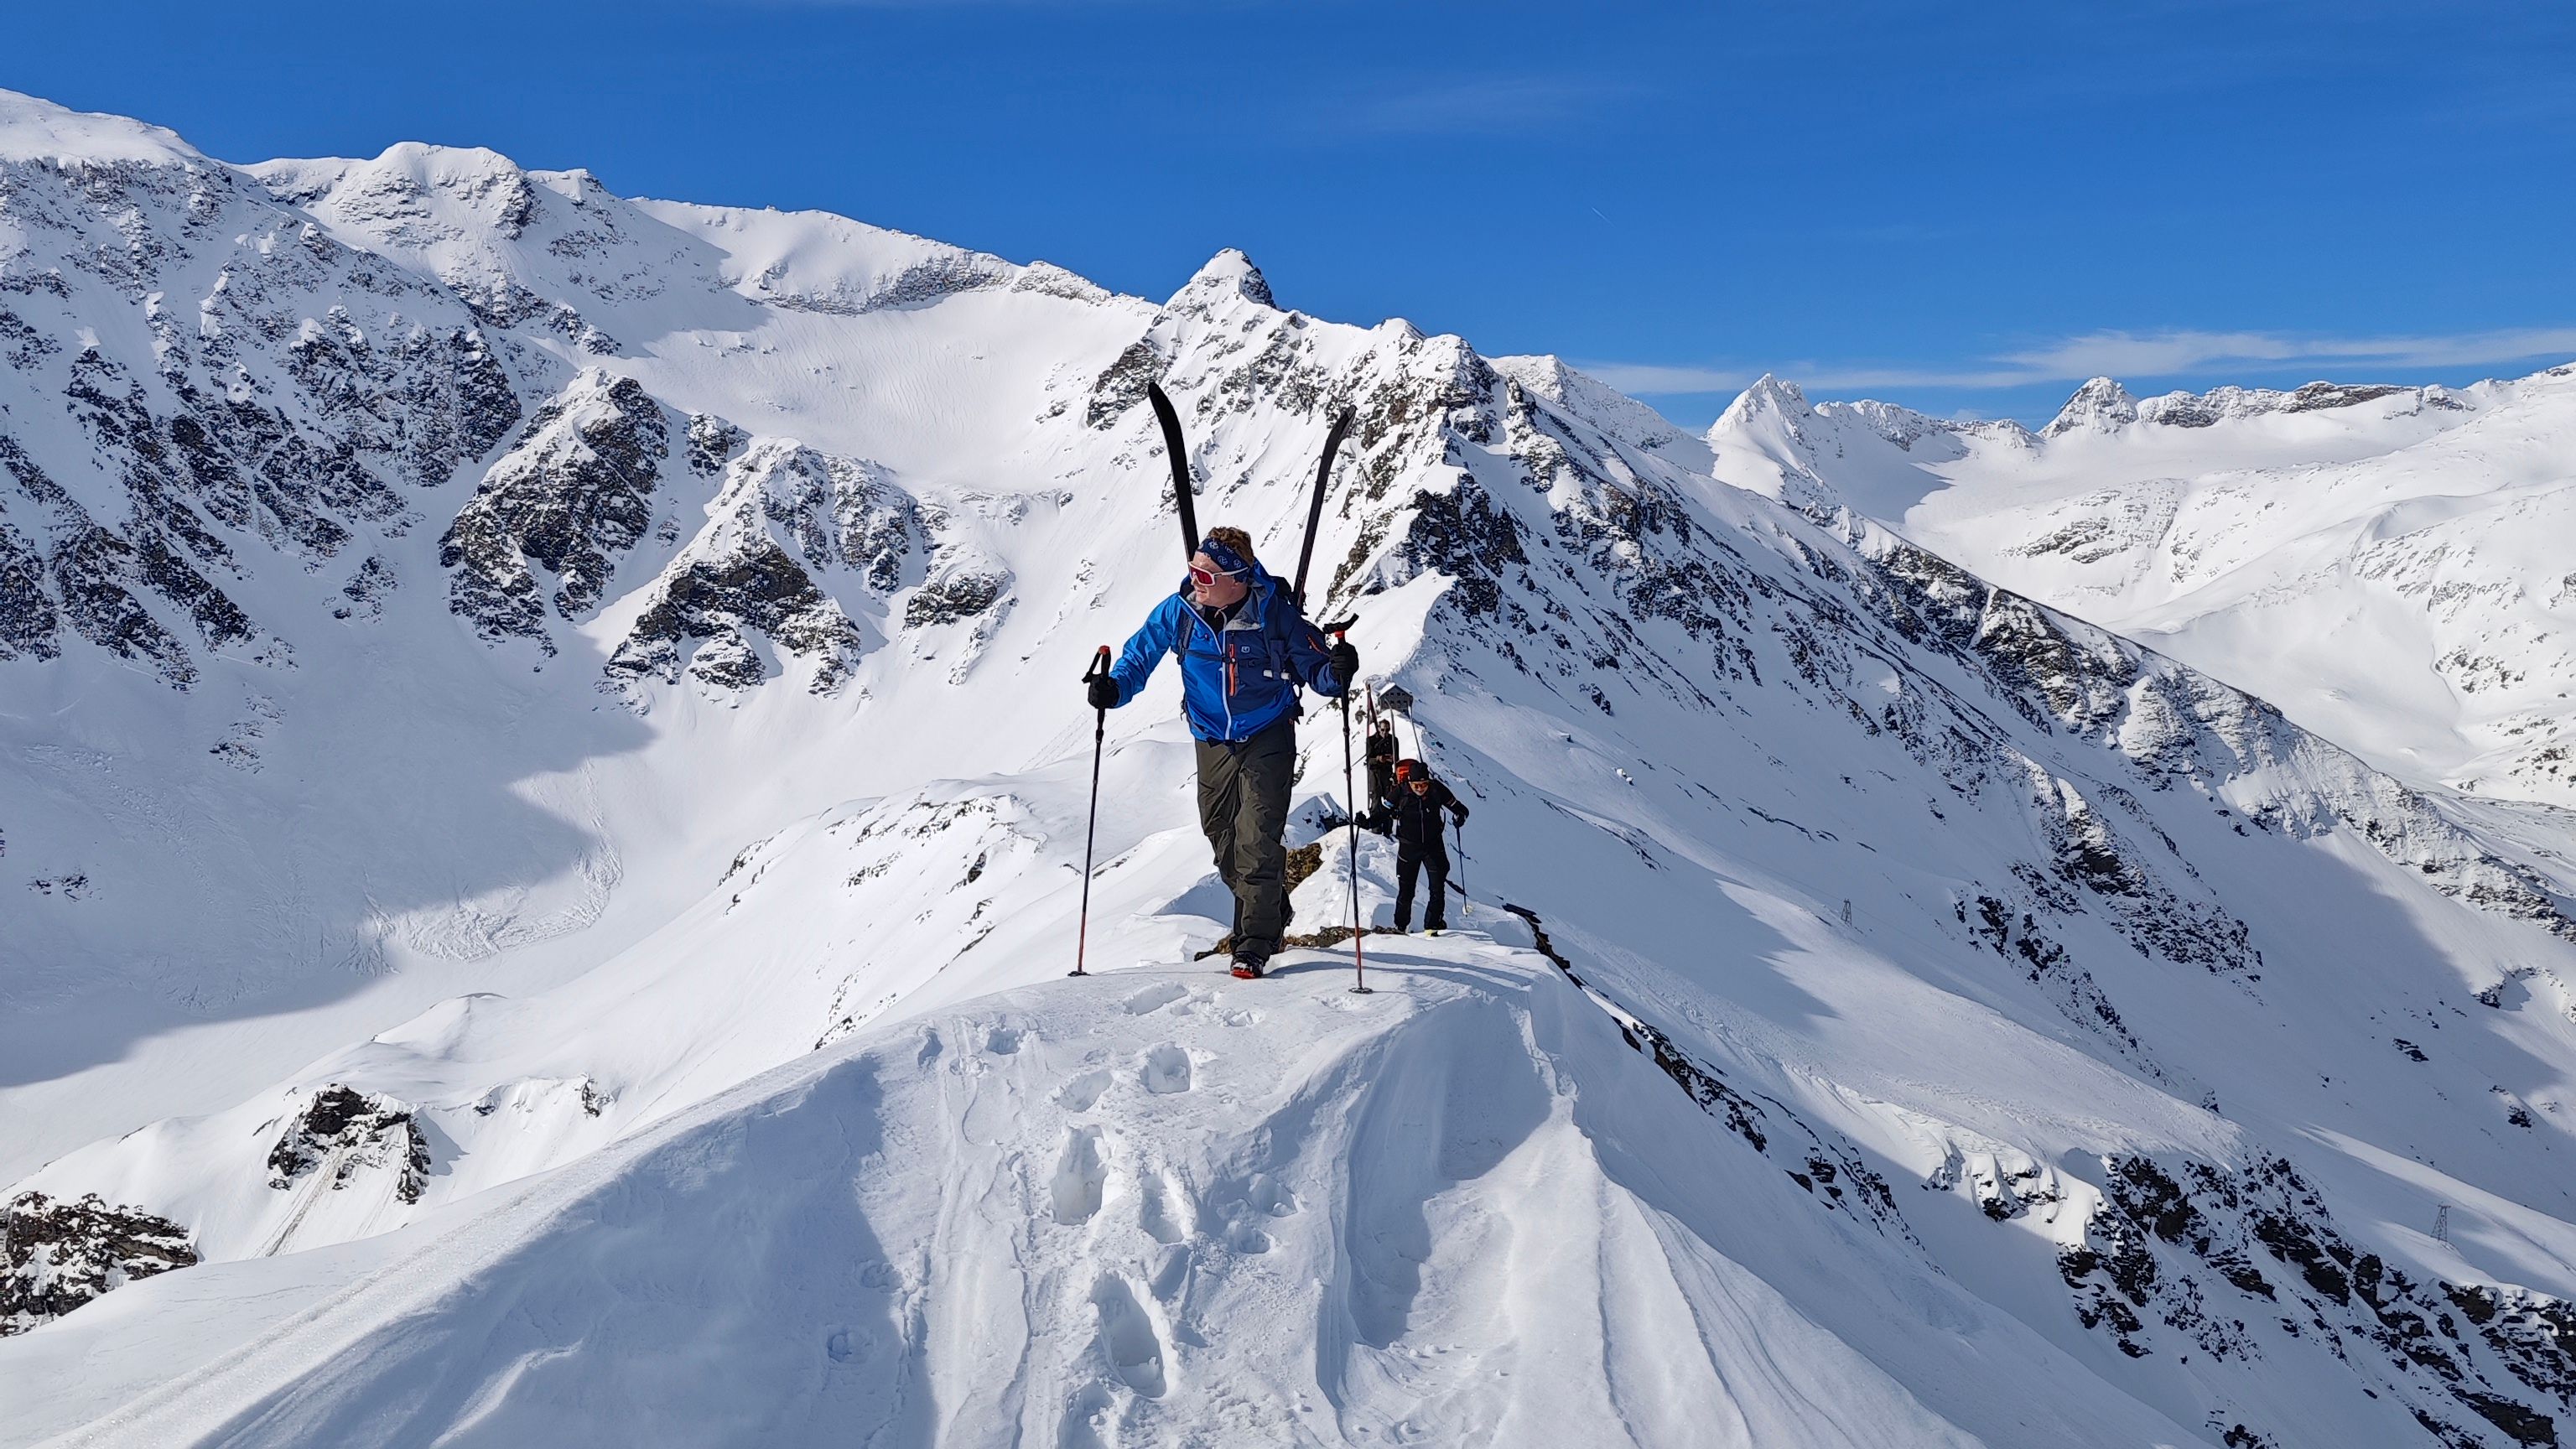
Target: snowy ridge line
x,y
1129,1198
1824,1167
2209,1234
2165,717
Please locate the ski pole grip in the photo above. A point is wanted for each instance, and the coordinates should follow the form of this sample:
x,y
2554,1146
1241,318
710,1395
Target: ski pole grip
x,y
1099,665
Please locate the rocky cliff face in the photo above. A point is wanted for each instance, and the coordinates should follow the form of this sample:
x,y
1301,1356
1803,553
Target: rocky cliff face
x,y
341,1131
56,1256
203,382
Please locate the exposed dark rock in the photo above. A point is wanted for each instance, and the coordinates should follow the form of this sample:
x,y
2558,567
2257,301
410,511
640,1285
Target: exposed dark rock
x,y
57,1255
366,589
89,570
291,401
2177,1247
2318,395
347,1130
572,494
2532,1333
29,623
712,444
763,589
956,596
1122,384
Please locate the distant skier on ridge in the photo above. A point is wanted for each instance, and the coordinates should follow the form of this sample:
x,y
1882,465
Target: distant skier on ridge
x,y
1244,648
1415,811
1380,751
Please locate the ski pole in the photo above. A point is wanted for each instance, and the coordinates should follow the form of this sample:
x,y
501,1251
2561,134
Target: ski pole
x,y
1359,960
1099,732
1466,905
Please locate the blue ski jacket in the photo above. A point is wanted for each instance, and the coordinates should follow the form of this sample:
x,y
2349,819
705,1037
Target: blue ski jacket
x,y
1235,682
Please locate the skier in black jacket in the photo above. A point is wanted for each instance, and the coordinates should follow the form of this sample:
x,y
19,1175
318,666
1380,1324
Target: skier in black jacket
x,y
1414,812
1380,752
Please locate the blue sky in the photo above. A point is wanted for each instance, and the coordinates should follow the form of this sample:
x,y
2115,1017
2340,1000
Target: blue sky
x,y
1966,208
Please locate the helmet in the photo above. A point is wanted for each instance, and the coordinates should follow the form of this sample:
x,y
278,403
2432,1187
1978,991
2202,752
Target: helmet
x,y
1411,770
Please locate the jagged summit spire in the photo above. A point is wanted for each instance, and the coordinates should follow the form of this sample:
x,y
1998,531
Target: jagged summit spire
x,y
1228,274
2100,405
1769,393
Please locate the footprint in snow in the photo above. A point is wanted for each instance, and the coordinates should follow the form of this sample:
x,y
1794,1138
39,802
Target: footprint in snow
x,y
1165,1070
1081,1177
1083,1414
1004,1041
1270,1195
1154,998
1166,1207
1128,1336
1079,1094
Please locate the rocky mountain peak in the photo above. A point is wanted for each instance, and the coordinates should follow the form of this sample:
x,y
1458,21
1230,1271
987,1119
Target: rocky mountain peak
x,y
1227,275
2099,406
1768,394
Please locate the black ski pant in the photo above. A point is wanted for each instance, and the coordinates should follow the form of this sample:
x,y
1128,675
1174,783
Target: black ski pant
x,y
1243,808
1410,861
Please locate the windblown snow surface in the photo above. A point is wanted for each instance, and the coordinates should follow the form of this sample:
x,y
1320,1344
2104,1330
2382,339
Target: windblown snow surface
x,y
543,805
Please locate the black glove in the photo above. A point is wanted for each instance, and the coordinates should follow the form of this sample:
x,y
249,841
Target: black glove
x,y
1458,811
1104,692
1346,664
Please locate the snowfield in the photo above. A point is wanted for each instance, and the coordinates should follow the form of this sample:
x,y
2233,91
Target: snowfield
x,y
2421,530
1279,1213
542,790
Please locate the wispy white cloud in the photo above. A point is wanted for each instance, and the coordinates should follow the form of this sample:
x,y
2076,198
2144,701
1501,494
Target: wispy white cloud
x,y
2127,355
1475,105
2166,354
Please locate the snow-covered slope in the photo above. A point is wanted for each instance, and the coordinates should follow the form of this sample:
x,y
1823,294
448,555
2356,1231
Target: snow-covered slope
x,y
2388,564
587,949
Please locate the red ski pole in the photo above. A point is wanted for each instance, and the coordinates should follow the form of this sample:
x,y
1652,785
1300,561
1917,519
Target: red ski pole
x,y
1359,958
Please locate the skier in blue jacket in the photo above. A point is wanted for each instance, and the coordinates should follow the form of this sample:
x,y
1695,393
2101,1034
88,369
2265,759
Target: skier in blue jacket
x,y
1244,650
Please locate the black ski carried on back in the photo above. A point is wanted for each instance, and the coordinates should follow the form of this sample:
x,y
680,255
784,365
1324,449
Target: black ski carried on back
x,y
1177,449
1315,510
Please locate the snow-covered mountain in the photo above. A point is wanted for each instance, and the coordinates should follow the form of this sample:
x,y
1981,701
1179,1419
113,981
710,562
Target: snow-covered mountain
x,y
544,804
2388,564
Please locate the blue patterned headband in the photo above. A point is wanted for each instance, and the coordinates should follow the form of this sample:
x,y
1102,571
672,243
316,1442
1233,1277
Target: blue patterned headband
x,y
1226,559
